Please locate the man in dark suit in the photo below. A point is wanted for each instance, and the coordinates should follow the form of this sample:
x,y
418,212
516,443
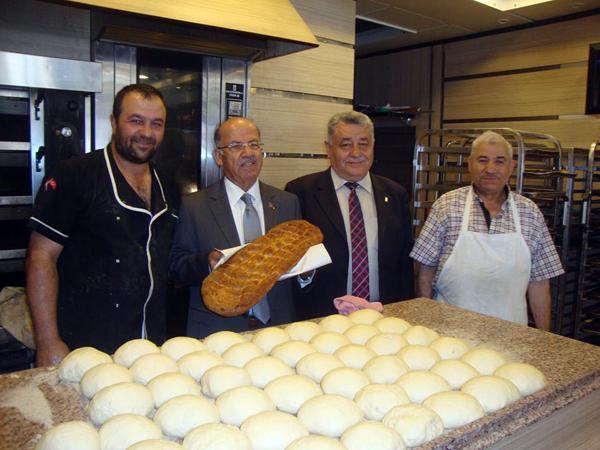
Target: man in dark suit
x,y
217,218
364,219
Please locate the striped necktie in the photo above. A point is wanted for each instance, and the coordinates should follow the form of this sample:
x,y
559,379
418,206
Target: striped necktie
x,y
358,238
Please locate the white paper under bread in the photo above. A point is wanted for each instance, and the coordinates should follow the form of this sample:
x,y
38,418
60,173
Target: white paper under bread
x,y
315,257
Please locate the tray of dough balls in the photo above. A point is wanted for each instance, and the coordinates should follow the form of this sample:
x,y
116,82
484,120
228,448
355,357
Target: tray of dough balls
x,y
356,382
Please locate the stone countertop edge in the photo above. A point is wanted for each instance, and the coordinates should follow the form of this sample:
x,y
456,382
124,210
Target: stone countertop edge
x,y
568,380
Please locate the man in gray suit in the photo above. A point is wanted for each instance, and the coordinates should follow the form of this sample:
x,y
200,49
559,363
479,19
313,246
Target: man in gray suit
x,y
218,217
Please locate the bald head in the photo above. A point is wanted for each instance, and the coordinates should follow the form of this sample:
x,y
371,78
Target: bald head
x,y
233,122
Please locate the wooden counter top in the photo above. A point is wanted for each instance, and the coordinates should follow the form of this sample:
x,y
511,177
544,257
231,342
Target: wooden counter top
x,y
568,408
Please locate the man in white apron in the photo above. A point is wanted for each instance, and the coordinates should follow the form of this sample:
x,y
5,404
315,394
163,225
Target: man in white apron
x,y
485,248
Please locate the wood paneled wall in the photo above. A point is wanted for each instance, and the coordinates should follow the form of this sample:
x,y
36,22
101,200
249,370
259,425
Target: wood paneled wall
x,y
293,96
532,79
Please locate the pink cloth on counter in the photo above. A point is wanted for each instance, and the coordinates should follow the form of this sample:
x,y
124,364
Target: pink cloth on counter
x,y
349,303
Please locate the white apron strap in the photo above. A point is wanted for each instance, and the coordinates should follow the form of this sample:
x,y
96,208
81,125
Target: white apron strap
x,y
467,212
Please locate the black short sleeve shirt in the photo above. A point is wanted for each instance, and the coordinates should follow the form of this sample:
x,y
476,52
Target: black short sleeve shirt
x,y
113,269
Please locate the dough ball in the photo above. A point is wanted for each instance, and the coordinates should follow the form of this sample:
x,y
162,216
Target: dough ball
x,y
420,384
329,342
74,435
492,392
267,338
329,415
120,398
314,442
344,381
155,444
149,366
360,333
454,371
416,424
419,357
79,361
168,385
420,335
386,343
124,430
197,363
485,360
103,375
273,430
449,347
216,436
354,355
392,325
302,331
219,379
375,400
385,369
237,404
316,365
525,377
372,436
455,408
292,351
127,353
265,369
291,391
239,354
180,346
178,416
336,323
221,340
366,316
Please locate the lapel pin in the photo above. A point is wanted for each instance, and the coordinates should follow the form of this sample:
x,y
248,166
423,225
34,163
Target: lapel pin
x,y
272,206
386,199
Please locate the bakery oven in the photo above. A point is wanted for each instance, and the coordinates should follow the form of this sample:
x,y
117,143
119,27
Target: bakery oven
x,y
44,118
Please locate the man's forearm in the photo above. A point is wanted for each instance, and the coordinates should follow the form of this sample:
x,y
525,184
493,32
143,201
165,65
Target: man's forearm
x,y
538,293
425,280
42,294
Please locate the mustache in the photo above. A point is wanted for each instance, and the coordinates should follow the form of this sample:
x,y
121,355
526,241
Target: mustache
x,y
248,159
354,159
143,140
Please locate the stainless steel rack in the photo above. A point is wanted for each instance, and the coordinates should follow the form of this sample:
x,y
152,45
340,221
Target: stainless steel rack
x,y
587,316
542,174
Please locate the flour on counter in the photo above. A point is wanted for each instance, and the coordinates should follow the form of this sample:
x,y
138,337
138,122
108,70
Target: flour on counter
x,y
30,402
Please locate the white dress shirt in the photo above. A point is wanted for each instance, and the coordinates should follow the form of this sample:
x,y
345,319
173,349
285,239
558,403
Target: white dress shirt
x,y
237,205
364,191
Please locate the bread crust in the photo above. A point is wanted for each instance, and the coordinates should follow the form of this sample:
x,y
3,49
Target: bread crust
x,y
243,280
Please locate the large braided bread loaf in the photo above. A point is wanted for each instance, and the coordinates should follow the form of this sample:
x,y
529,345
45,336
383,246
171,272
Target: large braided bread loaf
x,y
240,283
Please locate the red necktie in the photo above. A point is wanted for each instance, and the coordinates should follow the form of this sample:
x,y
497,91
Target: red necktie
x,y
360,253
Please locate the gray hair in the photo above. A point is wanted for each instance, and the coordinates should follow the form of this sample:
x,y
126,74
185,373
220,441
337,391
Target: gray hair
x,y
349,117
492,138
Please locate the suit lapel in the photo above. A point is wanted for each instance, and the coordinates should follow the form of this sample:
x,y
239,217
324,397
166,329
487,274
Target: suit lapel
x,y
270,202
219,206
327,198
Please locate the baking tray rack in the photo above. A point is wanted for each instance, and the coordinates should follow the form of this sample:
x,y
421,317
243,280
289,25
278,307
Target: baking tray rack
x,y
588,305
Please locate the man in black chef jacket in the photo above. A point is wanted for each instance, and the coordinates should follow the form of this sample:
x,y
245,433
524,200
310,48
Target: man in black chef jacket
x,y
97,261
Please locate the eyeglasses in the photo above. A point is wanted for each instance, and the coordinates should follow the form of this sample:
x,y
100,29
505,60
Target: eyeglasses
x,y
237,147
